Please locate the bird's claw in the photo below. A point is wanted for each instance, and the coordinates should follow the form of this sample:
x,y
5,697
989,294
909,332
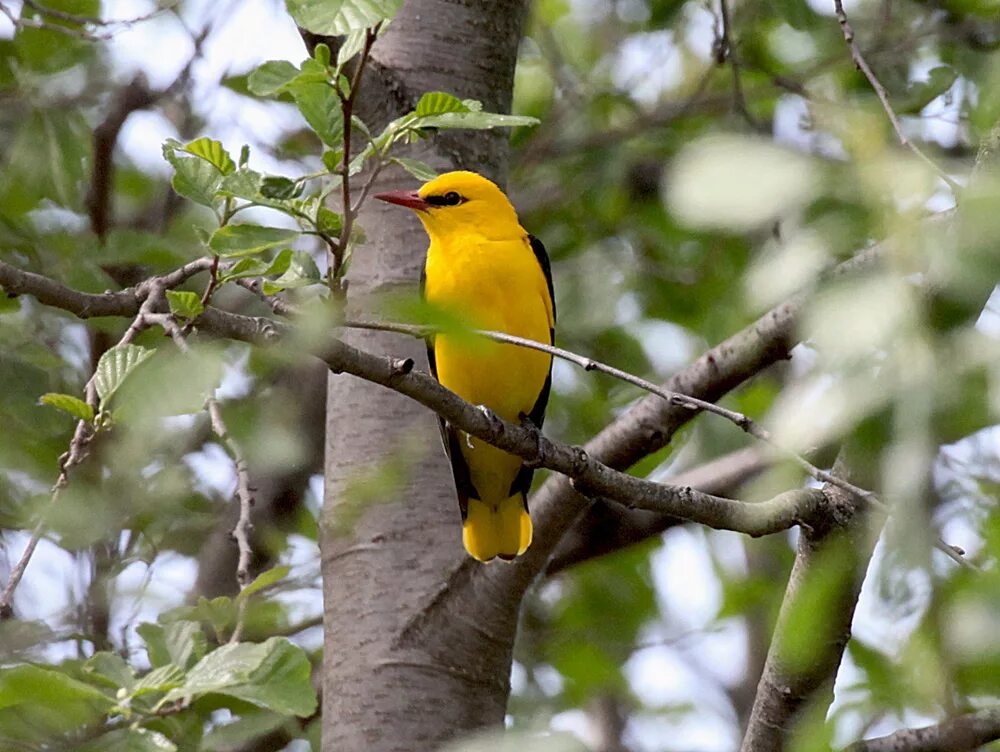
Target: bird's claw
x,y
496,425
529,425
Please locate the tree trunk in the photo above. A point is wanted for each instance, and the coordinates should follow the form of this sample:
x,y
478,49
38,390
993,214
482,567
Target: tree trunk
x,y
389,681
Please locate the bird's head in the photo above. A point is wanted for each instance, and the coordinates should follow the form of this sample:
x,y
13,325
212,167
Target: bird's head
x,y
460,202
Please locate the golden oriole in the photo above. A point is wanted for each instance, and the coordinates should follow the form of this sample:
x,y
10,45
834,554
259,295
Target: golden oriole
x,y
483,265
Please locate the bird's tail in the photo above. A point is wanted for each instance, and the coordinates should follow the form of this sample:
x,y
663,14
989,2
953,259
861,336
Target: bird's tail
x,y
502,530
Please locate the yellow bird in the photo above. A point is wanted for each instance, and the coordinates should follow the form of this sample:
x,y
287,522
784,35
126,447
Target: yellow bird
x,y
484,266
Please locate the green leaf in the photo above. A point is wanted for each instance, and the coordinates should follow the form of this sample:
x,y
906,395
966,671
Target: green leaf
x,y
213,153
68,404
282,188
197,180
115,366
322,54
185,304
38,703
131,739
263,580
340,17
438,103
302,272
273,675
475,120
180,643
320,106
329,221
419,170
351,46
111,667
271,78
247,240
159,681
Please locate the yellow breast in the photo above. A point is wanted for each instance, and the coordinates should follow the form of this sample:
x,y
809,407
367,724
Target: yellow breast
x,y
496,285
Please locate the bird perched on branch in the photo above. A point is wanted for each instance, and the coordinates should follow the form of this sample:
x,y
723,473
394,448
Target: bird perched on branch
x,y
482,265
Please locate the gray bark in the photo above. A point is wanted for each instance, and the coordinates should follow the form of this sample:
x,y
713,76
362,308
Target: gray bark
x,y
388,683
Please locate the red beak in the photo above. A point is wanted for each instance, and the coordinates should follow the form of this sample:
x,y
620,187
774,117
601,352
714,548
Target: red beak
x,y
409,199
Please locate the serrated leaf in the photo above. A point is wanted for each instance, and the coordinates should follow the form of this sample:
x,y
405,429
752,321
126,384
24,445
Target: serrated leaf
x,y
475,120
320,107
271,78
340,17
263,580
419,170
185,304
246,240
438,103
277,187
111,667
116,365
68,404
197,180
180,643
213,153
302,272
274,675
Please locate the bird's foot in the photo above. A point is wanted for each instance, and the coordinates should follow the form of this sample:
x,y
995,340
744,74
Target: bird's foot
x,y
529,425
496,425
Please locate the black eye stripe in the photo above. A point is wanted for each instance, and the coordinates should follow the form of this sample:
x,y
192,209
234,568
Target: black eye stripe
x,y
451,198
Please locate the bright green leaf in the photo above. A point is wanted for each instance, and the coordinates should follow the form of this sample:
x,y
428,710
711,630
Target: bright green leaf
x,y
438,103
276,187
115,366
180,643
68,404
419,170
264,579
247,240
329,221
111,667
273,675
320,106
38,703
213,153
185,304
197,180
351,46
302,271
271,78
340,17
475,120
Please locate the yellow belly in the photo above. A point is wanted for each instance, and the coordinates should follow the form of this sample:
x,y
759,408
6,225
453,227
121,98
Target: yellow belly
x,y
496,285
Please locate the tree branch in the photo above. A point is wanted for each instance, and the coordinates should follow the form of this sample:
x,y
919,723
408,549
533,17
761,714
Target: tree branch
x,y
964,732
588,475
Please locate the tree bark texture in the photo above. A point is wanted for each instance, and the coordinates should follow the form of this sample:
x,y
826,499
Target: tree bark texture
x,y
387,553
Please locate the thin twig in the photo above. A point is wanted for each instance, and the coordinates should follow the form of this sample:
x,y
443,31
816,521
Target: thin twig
x,y
244,493
347,110
278,305
77,453
883,95
726,50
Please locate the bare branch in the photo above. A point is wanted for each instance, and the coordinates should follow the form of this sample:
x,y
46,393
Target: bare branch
x,y
883,95
959,734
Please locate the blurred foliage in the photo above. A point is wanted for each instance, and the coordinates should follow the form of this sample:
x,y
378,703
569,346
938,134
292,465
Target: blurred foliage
x,y
674,213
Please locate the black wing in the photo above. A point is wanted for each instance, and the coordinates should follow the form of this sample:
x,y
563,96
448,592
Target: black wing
x,y
449,436
522,481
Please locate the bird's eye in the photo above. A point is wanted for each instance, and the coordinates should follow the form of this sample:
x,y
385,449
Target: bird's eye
x,y
451,198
